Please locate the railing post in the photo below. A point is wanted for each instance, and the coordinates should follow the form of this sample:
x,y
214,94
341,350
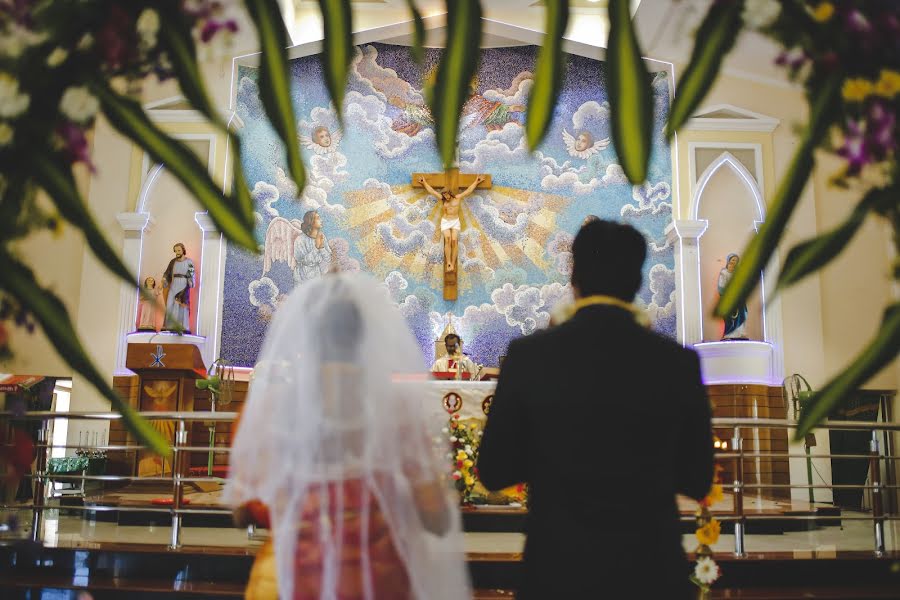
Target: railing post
x,y
877,497
178,470
39,490
737,445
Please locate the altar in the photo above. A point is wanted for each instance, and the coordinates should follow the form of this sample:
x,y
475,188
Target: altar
x,y
468,399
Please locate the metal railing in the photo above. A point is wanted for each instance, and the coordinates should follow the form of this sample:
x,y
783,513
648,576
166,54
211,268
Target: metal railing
x,y
181,451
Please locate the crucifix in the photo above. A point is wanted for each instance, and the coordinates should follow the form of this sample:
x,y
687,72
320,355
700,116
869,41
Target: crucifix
x,y
449,183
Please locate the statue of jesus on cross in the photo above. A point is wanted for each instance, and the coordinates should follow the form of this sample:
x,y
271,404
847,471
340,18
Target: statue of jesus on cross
x,y
450,182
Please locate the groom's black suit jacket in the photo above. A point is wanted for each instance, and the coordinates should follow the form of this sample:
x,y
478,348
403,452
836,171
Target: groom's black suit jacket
x,y
605,421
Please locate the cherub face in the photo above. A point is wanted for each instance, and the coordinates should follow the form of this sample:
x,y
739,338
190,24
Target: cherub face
x,y
322,137
583,141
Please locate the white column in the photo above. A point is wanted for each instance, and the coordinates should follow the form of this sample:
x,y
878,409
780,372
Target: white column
x,y
687,279
209,305
133,225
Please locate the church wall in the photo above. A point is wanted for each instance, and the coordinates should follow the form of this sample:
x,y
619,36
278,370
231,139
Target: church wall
x,y
515,238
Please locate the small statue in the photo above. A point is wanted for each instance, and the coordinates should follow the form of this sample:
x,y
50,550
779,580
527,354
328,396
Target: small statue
x,y
736,323
178,281
148,306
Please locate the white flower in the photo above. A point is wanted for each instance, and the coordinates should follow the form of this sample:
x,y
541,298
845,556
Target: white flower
x,y
452,438
12,102
6,134
57,57
14,40
706,571
147,27
468,449
760,13
78,104
86,41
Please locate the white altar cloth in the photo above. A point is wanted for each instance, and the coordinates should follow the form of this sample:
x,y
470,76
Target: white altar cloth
x,y
472,393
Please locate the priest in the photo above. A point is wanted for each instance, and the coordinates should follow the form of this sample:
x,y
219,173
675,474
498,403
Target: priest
x,y
455,361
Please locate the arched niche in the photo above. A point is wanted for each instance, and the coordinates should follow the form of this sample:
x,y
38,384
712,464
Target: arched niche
x,y
171,212
730,202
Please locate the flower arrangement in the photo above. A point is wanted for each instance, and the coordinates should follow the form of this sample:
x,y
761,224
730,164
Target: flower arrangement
x,y
464,441
706,571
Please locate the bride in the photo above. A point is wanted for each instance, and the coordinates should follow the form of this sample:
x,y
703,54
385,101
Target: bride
x,y
333,454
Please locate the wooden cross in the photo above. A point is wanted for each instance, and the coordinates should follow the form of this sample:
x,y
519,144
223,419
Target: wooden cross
x,y
451,181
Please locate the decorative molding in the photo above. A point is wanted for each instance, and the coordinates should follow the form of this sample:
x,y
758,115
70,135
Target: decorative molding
x,y
205,222
728,159
743,120
134,221
690,229
737,362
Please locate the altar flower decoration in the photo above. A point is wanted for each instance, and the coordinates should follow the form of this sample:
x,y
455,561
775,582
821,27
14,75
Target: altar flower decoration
x,y
464,456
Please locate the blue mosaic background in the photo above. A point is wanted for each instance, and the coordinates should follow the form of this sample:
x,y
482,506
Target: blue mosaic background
x,y
516,239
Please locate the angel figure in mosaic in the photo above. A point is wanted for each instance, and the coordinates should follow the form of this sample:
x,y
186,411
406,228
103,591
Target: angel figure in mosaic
x,y
300,244
322,140
583,145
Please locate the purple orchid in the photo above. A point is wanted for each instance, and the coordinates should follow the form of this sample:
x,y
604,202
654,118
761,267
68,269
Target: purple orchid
x,y
855,149
881,129
75,144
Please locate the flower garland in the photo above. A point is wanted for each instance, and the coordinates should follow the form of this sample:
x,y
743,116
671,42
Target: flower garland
x,y
706,571
464,455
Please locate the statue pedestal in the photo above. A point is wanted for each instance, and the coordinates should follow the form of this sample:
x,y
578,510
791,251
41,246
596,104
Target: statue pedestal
x,y
739,361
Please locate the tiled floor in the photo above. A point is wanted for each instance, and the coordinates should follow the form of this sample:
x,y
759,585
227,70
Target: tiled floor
x,y
853,535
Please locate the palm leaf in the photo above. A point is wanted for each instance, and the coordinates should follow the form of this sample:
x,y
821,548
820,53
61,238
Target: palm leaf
x,y
60,186
761,247
548,74
458,66
811,255
48,310
714,40
179,42
877,355
337,19
630,94
274,85
129,119
418,49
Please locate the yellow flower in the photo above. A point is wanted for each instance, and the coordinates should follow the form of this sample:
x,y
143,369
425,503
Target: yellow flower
x,y
461,455
468,463
715,494
823,12
888,85
857,90
708,535
6,134
470,480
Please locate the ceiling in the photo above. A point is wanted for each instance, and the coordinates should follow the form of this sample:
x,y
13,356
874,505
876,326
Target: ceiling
x,y
665,27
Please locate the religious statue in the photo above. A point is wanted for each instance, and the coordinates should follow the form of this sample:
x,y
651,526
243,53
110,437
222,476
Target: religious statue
x,y
312,254
177,283
736,323
450,224
148,305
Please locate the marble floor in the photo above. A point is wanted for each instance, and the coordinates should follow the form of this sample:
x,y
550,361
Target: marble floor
x,y
853,535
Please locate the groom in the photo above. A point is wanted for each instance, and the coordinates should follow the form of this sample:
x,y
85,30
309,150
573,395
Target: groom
x,y
605,421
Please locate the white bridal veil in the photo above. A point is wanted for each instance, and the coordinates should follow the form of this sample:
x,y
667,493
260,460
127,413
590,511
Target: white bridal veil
x,y
336,397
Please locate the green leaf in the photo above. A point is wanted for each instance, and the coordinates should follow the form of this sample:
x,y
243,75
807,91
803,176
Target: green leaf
x,y
48,310
129,119
714,40
274,83
60,186
630,94
418,47
548,74
877,355
811,255
179,42
763,244
337,19
454,75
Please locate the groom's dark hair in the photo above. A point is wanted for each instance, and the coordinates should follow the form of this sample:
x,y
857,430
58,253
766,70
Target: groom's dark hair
x,y
607,258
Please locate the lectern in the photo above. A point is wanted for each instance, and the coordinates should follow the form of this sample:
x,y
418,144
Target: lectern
x,y
166,375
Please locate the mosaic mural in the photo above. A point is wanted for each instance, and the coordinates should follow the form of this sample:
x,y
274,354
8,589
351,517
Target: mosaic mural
x,y
515,243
